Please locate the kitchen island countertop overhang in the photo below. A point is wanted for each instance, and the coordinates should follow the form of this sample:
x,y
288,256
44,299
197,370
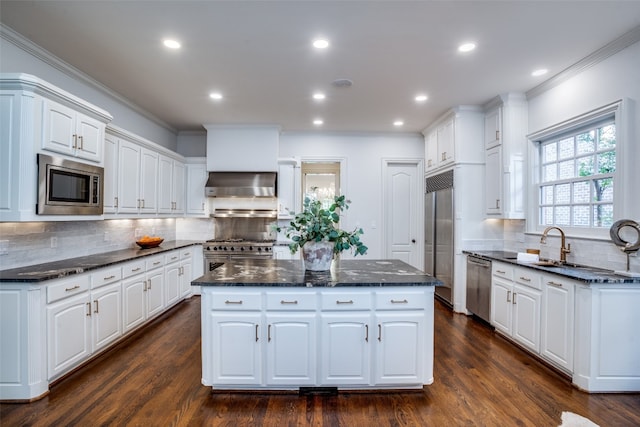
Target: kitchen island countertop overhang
x,y
271,325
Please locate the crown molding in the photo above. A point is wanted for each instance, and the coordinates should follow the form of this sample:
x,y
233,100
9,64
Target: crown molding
x,y
627,39
48,58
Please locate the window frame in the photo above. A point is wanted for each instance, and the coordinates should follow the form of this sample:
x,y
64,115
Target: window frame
x,y
612,112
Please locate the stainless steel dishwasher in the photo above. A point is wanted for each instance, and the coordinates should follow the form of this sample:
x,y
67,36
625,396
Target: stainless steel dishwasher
x,y
479,287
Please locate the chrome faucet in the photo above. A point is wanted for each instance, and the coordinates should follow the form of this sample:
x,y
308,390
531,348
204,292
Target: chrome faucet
x,y
563,251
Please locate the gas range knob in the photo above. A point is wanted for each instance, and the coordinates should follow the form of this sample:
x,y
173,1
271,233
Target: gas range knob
x,y
232,248
250,248
242,248
209,248
259,249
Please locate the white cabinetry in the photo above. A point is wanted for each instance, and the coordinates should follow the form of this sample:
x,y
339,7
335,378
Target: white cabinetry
x,y
283,252
72,133
515,304
171,186
505,143
288,188
26,127
142,291
178,275
197,175
348,337
558,298
439,145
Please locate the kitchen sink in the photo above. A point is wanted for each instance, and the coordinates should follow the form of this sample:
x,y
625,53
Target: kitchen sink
x,y
570,265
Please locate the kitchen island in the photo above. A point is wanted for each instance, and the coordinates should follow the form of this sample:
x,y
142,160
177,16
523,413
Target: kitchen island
x,y
271,325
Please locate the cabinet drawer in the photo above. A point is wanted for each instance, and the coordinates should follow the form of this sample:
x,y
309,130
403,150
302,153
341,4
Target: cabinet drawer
x,y
400,300
527,277
346,301
133,268
105,276
186,253
291,301
236,301
67,287
154,262
172,256
502,270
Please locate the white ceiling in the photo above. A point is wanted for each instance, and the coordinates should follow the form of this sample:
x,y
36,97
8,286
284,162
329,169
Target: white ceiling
x,y
259,54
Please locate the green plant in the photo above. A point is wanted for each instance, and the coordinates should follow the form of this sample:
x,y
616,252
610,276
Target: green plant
x,y
315,223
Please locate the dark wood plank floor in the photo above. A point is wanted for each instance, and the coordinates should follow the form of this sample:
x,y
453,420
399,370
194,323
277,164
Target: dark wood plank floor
x,y
154,380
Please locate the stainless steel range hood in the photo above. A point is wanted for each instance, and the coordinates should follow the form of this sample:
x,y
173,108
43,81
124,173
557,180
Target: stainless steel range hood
x,y
241,184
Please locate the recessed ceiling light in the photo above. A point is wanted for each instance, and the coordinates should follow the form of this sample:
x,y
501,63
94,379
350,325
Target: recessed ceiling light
x,y
318,122
215,95
466,47
540,72
421,98
398,123
171,44
319,96
321,43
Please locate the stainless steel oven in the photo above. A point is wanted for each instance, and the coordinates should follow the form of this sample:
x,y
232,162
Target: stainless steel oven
x,y
217,252
66,187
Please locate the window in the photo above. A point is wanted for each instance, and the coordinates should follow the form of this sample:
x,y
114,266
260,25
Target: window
x,y
577,174
321,181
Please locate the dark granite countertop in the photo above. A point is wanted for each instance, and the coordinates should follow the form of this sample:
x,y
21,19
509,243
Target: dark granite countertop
x,y
57,269
582,273
291,273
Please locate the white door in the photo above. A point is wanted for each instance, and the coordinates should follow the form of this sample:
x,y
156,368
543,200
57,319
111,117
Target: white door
x,y
403,212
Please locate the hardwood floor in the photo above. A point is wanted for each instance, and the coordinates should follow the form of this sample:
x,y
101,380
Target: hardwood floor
x,y
154,380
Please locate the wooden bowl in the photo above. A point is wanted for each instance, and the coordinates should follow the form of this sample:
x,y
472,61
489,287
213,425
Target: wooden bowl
x,y
150,243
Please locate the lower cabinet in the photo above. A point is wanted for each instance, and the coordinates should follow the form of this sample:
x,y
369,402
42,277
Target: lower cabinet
x,y
142,297
558,299
283,339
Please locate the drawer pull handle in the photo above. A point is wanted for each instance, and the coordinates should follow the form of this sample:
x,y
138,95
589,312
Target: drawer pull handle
x,y
72,288
233,302
344,302
288,302
269,333
88,309
501,272
404,301
557,285
96,302
174,257
135,269
526,279
187,254
156,263
109,277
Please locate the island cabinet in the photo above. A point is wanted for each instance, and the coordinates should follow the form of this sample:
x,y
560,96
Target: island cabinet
x,y
275,338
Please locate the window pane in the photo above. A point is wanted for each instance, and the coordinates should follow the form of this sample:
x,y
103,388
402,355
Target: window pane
x,y
549,152
607,162
546,216
562,215
607,137
563,193
603,190
549,173
566,169
581,216
585,166
546,195
586,142
582,192
566,148
603,215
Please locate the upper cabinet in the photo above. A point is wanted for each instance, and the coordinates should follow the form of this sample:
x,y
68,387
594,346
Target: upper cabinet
x,y
455,137
288,187
505,128
197,175
37,116
171,199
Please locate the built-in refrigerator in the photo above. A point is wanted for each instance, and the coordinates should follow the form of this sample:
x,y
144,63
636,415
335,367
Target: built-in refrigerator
x,y
438,245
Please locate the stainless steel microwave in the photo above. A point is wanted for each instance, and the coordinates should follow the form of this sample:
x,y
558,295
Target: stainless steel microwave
x,y
66,187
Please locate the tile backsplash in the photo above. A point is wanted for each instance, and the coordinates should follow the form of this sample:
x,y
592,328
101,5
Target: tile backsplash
x,y
37,242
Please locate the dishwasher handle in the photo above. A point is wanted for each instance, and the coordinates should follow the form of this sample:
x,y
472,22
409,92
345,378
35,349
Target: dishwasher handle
x,y
479,262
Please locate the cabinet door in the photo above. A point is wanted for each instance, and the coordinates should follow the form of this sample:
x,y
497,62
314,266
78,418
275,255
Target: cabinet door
x,y
149,181
186,275
236,348
172,284
431,150
90,137
59,129
129,177
493,181
68,333
501,305
558,321
400,347
196,179
526,317
133,303
291,348
493,128
346,349
155,291
110,191
446,143
165,182
106,315
177,189
286,190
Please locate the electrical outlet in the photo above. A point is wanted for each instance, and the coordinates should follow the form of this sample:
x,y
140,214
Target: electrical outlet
x,y
4,247
54,242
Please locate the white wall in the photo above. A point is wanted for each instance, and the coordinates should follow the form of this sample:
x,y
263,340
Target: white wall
x,y
362,180
192,143
13,59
